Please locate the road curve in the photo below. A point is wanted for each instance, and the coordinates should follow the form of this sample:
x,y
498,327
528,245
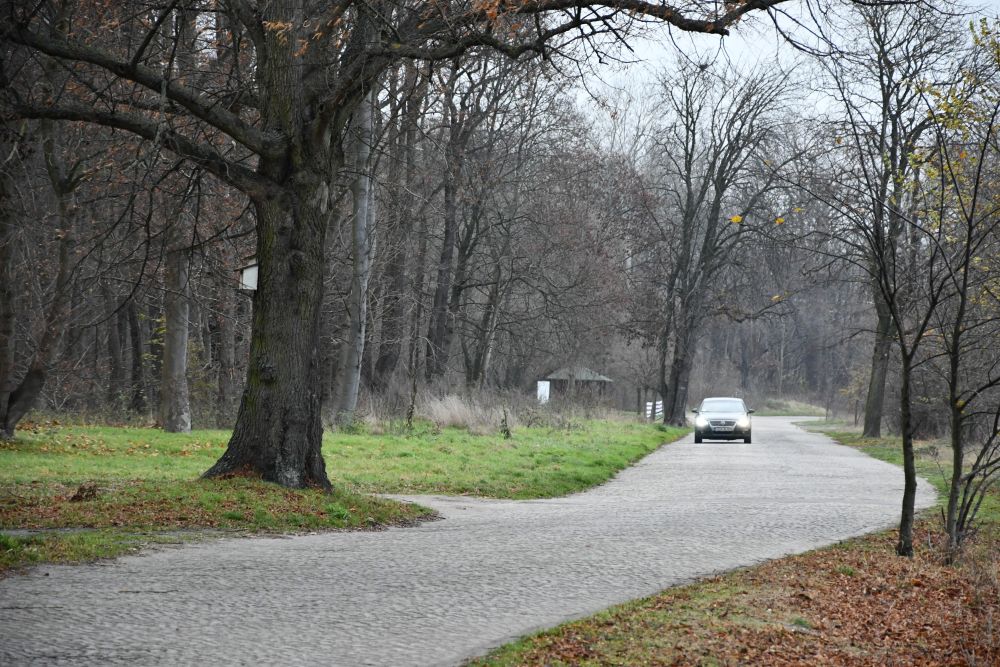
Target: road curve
x,y
447,590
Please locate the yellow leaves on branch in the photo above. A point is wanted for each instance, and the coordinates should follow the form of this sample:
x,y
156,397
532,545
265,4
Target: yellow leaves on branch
x,y
778,220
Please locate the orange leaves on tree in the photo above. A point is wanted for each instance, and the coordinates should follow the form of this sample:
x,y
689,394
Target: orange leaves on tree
x,y
489,7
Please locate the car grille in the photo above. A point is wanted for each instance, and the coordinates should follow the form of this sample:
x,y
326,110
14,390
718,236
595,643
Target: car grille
x,y
722,422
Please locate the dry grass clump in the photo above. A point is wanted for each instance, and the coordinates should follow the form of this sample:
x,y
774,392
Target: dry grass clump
x,y
479,412
475,414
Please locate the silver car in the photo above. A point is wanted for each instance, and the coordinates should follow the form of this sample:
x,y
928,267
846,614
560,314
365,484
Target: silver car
x,y
722,419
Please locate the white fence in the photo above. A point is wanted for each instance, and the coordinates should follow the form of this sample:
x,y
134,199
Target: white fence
x,y
654,410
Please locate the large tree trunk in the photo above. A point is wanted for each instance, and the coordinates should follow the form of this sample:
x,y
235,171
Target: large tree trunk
x,y
875,401
175,403
278,433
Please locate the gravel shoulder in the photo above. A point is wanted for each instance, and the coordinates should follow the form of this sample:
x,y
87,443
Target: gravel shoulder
x,y
444,591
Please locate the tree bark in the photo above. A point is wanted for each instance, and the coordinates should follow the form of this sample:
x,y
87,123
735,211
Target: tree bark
x,y
278,432
352,348
16,399
8,304
875,401
137,401
226,397
25,395
175,402
905,545
437,333
394,313
116,379
675,398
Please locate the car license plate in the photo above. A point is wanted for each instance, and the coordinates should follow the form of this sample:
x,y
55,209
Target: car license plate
x,y
722,429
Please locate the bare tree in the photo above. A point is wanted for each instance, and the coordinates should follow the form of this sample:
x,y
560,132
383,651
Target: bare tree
x,y
711,172
877,81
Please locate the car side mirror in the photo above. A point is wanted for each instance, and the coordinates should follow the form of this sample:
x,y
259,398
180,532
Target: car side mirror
x,y
750,412
695,411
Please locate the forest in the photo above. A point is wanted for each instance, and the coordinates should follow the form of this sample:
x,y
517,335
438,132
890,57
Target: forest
x,y
435,199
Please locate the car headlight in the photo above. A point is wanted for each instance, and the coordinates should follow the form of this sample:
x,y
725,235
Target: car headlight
x,y
700,422
744,422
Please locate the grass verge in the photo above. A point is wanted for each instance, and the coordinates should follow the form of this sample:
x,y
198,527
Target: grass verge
x,y
117,488
854,603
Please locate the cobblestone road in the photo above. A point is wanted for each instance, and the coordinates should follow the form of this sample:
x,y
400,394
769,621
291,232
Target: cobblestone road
x,y
446,590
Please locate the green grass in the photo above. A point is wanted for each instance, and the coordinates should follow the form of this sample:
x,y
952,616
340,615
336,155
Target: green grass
x,y
145,481
74,454
537,462
73,547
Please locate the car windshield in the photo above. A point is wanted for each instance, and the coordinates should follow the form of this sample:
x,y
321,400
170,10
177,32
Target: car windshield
x,y
722,405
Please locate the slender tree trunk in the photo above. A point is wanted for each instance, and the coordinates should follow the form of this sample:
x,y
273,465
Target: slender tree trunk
x,y
394,313
137,402
437,355
491,337
393,318
413,361
8,305
874,403
675,403
905,545
25,395
175,403
954,526
352,349
17,399
955,487
116,356
479,361
226,397
154,339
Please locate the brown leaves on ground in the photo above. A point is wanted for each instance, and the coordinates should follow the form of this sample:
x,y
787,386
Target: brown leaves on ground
x,y
863,605
853,604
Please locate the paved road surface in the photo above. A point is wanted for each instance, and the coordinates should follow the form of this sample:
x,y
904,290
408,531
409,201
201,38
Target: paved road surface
x,y
446,590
